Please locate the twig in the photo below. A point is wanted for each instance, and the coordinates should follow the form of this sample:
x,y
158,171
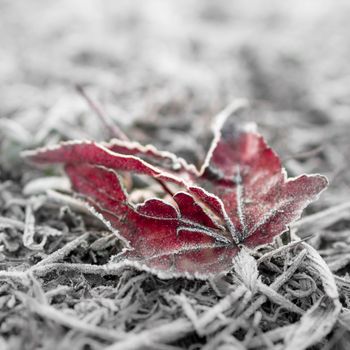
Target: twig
x,y
162,334
107,269
323,218
316,323
12,222
278,298
306,154
112,128
277,283
62,252
48,312
273,335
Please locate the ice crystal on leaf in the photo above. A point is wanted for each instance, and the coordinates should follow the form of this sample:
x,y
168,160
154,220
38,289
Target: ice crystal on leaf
x,y
240,196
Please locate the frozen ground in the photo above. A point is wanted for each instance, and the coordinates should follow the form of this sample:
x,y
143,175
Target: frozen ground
x,y
162,70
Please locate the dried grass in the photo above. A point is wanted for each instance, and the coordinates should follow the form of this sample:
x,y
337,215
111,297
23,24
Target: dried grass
x,y
58,289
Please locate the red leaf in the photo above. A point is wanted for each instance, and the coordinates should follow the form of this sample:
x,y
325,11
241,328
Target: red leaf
x,y
164,160
240,196
90,152
155,230
248,177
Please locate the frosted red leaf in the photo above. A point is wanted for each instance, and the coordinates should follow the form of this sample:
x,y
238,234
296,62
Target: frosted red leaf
x,y
241,196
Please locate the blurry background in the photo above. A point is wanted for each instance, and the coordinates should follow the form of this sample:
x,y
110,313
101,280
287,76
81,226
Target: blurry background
x,y
163,69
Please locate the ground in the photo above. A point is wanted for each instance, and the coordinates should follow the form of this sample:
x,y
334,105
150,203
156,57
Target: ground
x,y
162,70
